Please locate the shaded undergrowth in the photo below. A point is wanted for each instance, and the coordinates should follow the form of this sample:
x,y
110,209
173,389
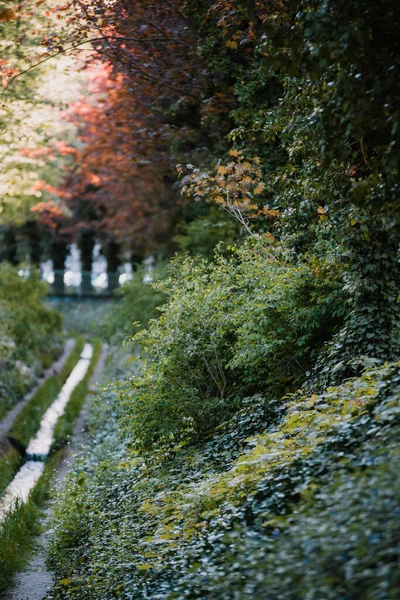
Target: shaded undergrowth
x,y
306,508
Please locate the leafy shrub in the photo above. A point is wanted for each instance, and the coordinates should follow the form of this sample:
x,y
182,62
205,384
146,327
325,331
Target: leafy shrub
x,y
30,336
138,302
202,235
249,323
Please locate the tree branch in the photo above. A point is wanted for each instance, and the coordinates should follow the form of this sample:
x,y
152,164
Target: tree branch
x,y
76,46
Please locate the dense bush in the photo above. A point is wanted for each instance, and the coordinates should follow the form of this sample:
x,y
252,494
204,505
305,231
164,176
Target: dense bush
x,y
200,234
138,302
249,323
30,336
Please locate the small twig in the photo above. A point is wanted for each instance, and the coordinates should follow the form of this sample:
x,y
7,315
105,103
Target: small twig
x,y
363,153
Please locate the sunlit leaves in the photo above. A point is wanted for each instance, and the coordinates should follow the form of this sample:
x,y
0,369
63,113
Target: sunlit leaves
x,y
234,186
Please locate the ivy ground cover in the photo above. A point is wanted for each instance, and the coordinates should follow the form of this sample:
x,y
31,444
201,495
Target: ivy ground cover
x,y
307,508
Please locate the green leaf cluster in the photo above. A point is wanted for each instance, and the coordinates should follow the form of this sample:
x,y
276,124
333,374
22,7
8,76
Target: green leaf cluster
x,y
250,322
30,336
138,302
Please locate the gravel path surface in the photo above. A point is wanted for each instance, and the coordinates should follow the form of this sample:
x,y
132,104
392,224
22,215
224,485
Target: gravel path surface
x,y
6,423
36,580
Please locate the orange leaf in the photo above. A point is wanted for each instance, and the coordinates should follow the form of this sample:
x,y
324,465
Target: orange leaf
x,y
8,14
259,188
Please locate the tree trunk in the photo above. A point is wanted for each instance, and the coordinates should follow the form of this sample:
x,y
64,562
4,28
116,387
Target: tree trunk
x,y
86,243
59,252
111,252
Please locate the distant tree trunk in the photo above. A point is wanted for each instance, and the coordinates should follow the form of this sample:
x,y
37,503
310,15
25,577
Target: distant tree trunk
x,y
111,252
9,250
136,259
86,243
59,252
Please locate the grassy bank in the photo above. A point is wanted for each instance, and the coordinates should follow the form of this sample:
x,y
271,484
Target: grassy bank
x,y
30,333
66,422
19,528
28,421
10,460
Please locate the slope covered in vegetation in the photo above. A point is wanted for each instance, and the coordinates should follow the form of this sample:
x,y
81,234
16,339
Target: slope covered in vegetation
x,y
254,450
249,447
207,478
290,498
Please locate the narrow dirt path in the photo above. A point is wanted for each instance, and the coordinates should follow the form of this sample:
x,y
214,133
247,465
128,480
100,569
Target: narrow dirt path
x,y
8,420
36,580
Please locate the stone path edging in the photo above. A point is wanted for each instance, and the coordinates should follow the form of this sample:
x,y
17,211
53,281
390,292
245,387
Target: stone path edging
x,y
35,582
39,446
